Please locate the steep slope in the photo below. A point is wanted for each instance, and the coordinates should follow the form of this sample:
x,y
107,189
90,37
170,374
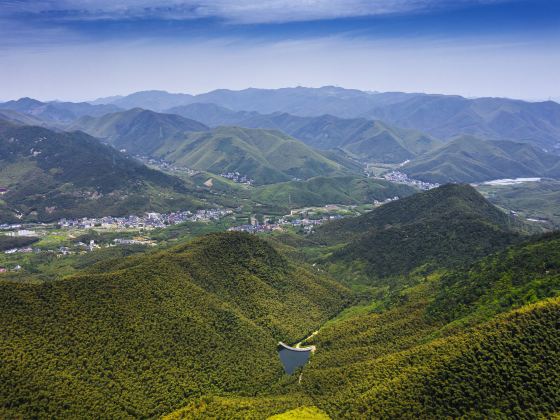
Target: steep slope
x,y
469,159
523,274
465,344
504,368
51,175
460,345
146,336
445,226
137,130
358,137
264,155
57,112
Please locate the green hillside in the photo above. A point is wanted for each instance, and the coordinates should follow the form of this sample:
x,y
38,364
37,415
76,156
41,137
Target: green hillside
x,y
481,343
211,114
469,159
442,116
264,155
448,116
57,113
52,174
320,191
362,139
137,130
461,344
358,137
445,226
504,368
521,275
142,338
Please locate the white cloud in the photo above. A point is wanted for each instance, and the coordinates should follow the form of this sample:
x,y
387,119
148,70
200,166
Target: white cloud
x,y
235,11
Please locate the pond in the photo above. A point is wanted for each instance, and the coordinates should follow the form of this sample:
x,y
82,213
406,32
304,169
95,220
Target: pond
x,y
293,358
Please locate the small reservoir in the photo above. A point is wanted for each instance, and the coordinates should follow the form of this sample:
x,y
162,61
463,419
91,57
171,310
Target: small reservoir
x,y
293,357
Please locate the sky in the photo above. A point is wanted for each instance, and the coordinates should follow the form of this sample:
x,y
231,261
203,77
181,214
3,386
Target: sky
x,y
85,49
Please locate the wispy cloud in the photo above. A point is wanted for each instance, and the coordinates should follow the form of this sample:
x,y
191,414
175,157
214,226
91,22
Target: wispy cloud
x,y
238,11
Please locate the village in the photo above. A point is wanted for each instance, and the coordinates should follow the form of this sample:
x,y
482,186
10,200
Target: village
x,y
237,178
148,221
164,165
135,229
306,224
61,238
305,220
402,178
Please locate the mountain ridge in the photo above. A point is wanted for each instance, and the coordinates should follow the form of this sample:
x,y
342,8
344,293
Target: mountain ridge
x,y
469,159
442,116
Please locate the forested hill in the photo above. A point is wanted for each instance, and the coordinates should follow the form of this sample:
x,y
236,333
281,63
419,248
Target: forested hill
x,y
469,159
52,174
477,343
481,342
445,226
358,137
139,337
267,156
55,112
443,116
137,130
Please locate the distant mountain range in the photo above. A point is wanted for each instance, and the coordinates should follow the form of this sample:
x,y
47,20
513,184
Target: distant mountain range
x,y
358,137
57,112
443,116
444,136
469,159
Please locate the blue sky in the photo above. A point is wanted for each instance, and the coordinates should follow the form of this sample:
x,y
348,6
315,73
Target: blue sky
x,y
82,49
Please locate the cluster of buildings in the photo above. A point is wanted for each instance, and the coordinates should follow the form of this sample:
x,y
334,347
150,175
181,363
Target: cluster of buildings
x,y
237,177
149,220
402,178
21,232
133,241
164,165
23,250
305,223
257,228
378,203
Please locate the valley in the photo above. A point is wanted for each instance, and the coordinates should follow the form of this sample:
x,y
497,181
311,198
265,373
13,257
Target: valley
x,y
154,251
